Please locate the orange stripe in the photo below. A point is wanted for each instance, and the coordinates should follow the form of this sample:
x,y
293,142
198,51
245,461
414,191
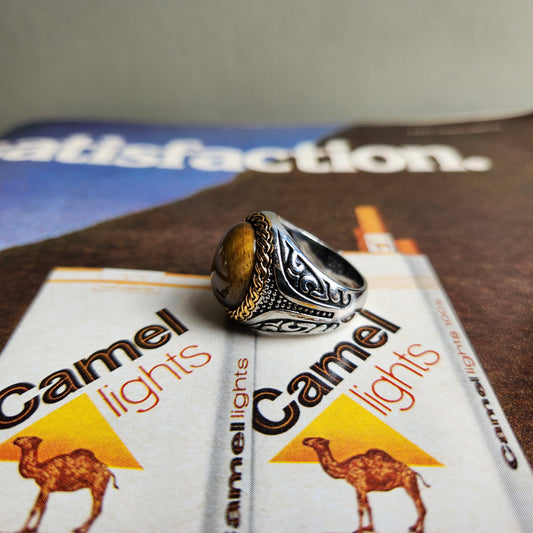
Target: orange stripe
x,y
125,282
360,240
77,269
369,219
192,276
407,246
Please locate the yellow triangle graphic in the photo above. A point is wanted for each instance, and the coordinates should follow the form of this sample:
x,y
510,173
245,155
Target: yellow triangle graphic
x,y
78,424
351,430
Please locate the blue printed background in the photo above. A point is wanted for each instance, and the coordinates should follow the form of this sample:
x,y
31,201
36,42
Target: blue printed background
x,y
40,200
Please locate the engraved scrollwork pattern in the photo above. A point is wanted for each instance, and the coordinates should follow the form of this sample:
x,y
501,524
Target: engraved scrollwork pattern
x,y
303,278
287,325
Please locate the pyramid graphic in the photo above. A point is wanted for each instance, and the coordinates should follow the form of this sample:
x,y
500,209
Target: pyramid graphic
x,y
352,430
77,424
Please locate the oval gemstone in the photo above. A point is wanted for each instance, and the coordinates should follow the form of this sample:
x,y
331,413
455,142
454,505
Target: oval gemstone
x,y
233,265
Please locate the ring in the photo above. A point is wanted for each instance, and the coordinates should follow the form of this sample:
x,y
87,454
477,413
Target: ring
x,y
277,278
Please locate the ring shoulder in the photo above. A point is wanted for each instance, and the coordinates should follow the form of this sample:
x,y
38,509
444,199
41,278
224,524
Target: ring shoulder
x,y
295,272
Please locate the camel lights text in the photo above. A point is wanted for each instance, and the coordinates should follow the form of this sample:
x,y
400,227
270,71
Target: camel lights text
x,y
393,387
470,369
307,389
58,385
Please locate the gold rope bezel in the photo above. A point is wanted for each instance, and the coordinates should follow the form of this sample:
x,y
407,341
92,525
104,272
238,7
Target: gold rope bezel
x,y
264,239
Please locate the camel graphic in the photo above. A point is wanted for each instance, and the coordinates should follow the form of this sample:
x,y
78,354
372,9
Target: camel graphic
x,y
374,470
69,472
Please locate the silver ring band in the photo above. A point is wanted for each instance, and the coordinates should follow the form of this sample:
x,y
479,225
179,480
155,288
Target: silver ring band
x,y
298,285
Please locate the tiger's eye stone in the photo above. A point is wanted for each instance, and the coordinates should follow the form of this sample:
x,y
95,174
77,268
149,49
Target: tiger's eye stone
x,y
233,265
